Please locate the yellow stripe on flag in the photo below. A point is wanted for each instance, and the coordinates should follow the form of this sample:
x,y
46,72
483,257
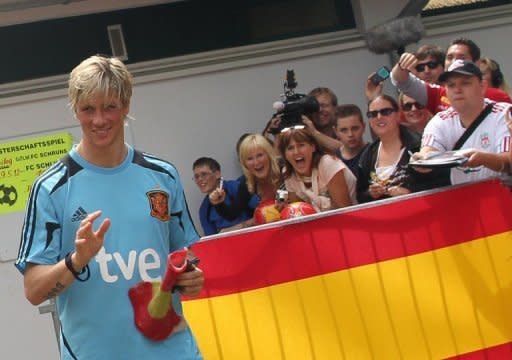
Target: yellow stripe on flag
x,y
431,305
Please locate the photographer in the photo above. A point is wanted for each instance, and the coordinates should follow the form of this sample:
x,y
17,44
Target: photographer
x,y
315,111
325,120
322,124
328,144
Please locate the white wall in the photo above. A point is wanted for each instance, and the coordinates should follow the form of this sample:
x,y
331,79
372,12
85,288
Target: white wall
x,y
204,115
186,117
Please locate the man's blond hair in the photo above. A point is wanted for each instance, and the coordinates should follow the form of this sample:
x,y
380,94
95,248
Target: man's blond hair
x,y
100,76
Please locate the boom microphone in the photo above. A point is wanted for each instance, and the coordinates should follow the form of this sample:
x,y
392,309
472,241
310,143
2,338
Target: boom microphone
x,y
394,35
278,106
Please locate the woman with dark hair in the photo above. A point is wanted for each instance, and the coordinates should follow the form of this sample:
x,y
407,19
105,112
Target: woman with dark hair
x,y
383,170
322,180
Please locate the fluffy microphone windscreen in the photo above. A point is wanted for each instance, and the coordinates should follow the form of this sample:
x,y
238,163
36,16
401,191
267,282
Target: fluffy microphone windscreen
x,y
394,34
278,106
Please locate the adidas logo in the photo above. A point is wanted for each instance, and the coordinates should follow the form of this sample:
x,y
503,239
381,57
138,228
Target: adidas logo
x,y
79,214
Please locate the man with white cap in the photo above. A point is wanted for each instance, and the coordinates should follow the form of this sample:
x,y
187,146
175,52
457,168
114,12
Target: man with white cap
x,y
486,143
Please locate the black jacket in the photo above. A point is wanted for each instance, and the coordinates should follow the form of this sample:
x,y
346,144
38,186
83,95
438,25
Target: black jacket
x,y
410,179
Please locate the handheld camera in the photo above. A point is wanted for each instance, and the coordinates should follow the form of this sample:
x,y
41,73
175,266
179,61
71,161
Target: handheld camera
x,y
380,75
281,196
292,105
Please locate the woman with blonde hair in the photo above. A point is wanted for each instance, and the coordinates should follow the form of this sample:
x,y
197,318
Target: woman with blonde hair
x,y
262,178
260,166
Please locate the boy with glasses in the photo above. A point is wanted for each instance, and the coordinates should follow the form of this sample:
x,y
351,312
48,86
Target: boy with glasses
x,y
207,177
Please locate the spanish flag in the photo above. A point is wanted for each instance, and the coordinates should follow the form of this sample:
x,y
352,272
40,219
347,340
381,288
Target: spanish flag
x,y
425,276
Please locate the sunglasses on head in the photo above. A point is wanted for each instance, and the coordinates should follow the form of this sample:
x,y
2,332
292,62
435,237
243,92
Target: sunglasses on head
x,y
431,65
293,127
408,106
384,112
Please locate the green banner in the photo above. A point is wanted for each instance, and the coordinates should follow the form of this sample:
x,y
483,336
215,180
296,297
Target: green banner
x,y
22,161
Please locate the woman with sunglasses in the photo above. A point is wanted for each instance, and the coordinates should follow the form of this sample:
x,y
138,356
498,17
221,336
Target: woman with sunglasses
x,y
262,178
383,170
322,180
415,115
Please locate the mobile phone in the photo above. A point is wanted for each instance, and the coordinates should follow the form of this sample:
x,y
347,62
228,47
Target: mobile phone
x,y
221,182
380,75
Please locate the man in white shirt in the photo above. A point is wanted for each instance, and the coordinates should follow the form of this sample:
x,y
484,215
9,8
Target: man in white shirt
x,y
487,148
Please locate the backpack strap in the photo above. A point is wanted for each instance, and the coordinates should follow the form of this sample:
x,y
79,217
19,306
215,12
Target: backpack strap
x,y
467,133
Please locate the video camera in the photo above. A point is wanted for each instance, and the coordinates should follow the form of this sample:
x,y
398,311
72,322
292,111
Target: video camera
x,y
292,106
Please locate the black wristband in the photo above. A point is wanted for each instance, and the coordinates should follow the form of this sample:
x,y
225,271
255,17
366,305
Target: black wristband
x,y
69,265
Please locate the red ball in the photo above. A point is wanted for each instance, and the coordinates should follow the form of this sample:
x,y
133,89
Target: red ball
x,y
297,209
266,212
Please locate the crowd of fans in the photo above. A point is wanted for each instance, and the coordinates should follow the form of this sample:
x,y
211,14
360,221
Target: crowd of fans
x,y
449,100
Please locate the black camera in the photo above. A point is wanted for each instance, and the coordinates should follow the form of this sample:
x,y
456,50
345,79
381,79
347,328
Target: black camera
x,y
292,106
380,75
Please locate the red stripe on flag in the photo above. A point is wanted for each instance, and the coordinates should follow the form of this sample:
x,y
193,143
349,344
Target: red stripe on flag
x,y
365,235
499,352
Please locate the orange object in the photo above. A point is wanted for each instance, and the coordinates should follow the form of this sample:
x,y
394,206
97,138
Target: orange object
x,y
266,212
154,315
297,209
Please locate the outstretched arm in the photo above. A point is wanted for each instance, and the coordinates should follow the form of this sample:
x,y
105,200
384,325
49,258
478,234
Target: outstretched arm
x,y
495,162
406,82
400,72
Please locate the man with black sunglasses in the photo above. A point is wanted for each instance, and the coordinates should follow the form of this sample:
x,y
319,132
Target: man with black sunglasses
x,y
431,95
430,63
